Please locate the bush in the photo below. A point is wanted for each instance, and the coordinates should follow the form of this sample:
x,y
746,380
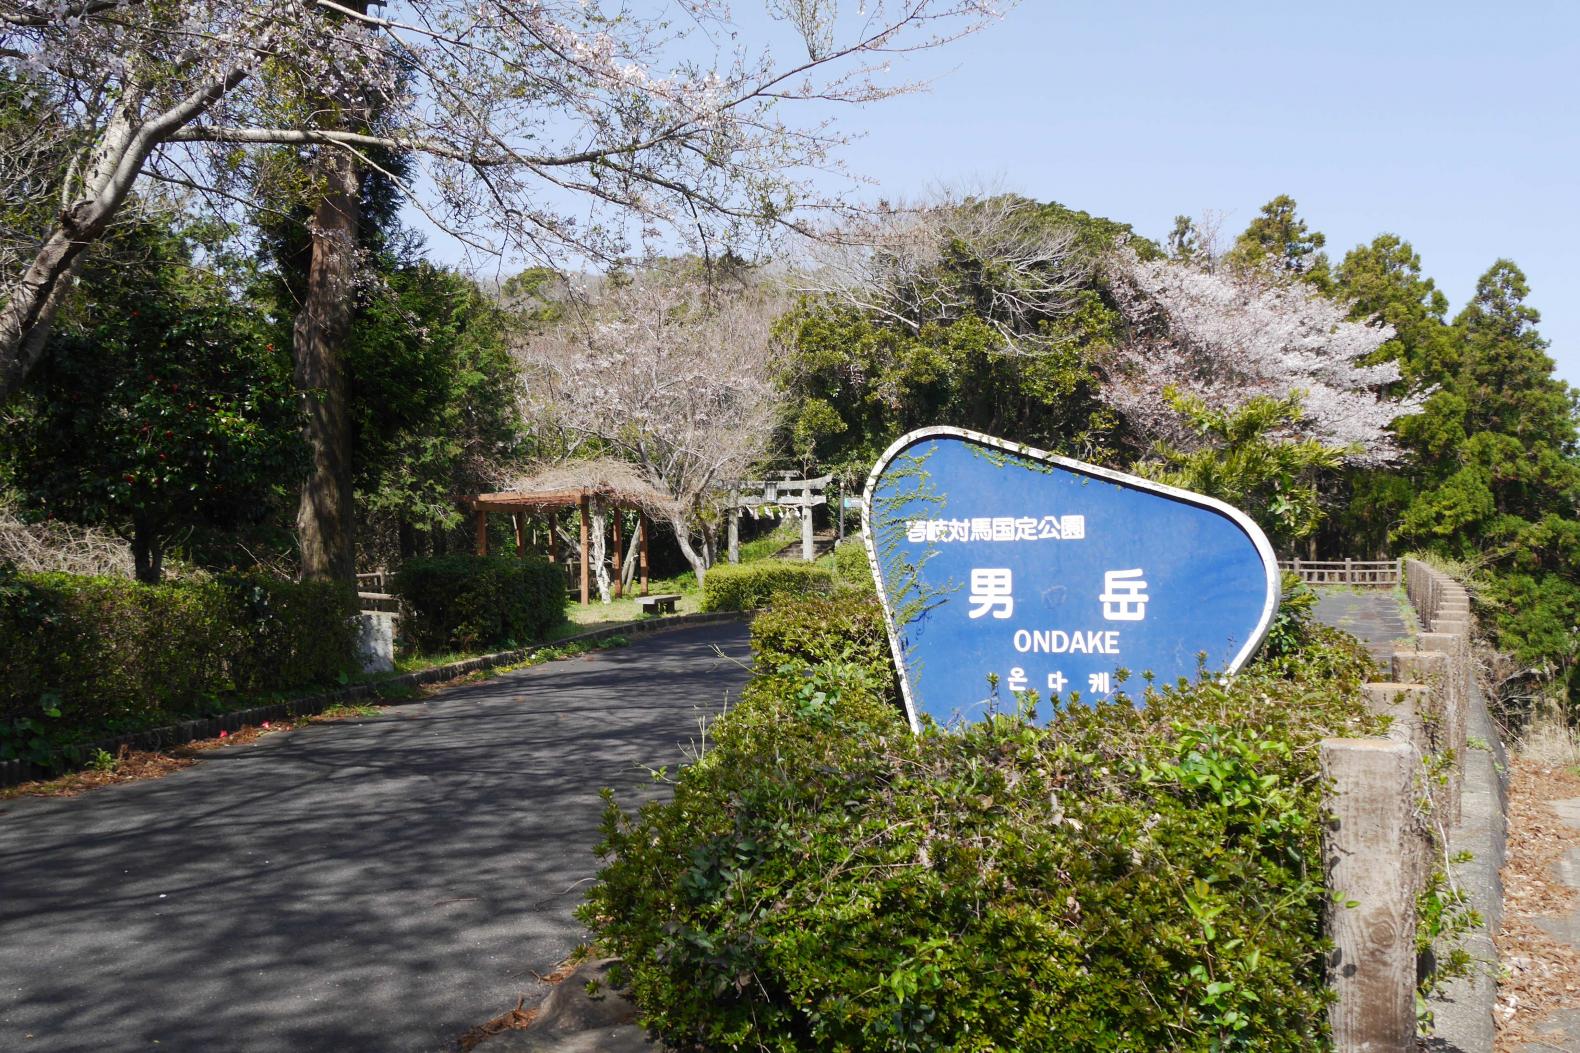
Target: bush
x,y
749,586
467,602
1119,879
851,569
90,657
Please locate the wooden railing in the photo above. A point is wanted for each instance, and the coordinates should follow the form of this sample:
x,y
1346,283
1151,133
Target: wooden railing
x,y
1372,573
374,582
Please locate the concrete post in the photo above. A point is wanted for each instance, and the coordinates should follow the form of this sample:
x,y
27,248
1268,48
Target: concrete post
x,y
1457,707
808,548
735,526
1371,907
1406,703
1432,670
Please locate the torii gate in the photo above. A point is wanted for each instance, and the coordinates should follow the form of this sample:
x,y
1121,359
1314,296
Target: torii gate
x,y
804,494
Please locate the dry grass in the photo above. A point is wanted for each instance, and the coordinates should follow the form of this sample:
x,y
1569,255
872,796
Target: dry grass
x,y
53,546
1550,744
1541,973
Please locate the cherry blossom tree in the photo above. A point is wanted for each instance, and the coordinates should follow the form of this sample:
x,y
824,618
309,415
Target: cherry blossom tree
x,y
668,372
548,128
551,128
1218,338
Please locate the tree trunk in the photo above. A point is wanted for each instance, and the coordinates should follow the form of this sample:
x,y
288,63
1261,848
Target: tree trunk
x,y
600,524
698,560
325,517
28,306
148,555
632,551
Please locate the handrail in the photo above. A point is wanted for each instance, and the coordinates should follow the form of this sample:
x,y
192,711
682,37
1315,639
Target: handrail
x,y
1375,573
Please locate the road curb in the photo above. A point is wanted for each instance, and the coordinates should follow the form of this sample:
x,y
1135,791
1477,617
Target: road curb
x,y
14,772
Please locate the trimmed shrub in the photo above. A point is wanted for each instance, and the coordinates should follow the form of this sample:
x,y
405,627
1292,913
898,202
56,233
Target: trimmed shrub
x,y
1120,878
91,657
467,602
851,569
273,645
749,586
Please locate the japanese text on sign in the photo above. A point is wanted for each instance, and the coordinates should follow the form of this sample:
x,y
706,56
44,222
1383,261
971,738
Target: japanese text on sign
x,y
997,528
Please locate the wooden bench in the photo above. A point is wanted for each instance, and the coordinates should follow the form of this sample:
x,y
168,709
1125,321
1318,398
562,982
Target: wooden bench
x,y
664,604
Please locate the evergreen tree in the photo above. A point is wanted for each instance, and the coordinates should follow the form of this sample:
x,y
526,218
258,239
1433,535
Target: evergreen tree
x,y
164,408
1506,376
1184,243
1279,239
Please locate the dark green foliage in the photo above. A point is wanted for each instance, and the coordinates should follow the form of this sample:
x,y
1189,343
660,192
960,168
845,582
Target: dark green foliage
x,y
91,657
162,406
851,569
748,586
858,379
433,401
1120,879
857,384
1279,239
821,631
467,602
1239,457
1492,478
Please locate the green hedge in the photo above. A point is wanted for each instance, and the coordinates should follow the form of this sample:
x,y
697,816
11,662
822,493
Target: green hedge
x,y
749,586
851,569
87,657
467,602
1113,879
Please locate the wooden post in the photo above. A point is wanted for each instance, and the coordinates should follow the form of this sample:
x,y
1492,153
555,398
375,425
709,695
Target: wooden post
x,y
619,555
586,530
641,548
554,540
1372,965
482,530
1349,571
519,521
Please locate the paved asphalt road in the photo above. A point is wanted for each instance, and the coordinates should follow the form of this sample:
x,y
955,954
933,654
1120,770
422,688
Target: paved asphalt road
x,y
378,885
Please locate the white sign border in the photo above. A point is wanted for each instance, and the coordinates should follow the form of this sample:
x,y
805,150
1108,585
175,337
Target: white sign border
x,y
912,438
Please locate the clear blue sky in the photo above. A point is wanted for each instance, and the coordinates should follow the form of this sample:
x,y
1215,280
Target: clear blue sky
x,y
1454,125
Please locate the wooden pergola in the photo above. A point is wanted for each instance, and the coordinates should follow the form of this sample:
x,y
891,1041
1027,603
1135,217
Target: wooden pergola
x,y
521,504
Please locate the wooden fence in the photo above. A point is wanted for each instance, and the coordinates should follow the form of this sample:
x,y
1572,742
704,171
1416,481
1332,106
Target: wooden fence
x,y
1371,573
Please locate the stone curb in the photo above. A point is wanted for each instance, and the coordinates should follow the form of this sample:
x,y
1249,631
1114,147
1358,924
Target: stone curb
x,y
14,772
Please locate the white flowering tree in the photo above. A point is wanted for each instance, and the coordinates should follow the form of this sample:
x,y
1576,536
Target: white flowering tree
x,y
669,373
542,127
1214,339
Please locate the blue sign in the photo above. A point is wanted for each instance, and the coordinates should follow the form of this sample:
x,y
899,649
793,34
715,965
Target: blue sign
x,y
1003,568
